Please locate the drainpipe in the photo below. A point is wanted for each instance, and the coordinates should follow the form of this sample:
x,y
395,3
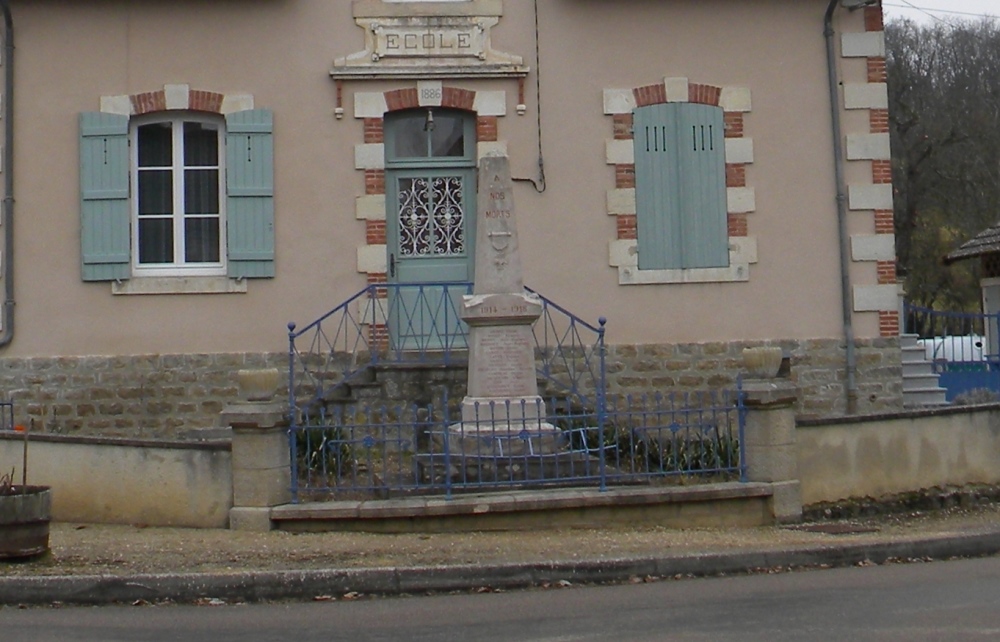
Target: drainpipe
x,y
8,174
851,388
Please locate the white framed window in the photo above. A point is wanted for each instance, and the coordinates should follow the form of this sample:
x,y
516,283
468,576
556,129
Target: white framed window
x,y
206,203
178,188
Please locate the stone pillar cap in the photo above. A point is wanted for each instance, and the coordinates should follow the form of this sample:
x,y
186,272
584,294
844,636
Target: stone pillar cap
x,y
249,414
769,393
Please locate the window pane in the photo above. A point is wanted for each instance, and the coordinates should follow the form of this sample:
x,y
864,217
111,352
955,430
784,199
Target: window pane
x,y
201,240
201,145
448,136
201,191
156,240
156,195
155,145
411,138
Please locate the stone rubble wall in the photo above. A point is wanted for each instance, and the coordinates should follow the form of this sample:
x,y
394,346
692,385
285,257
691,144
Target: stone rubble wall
x,y
181,395
138,396
816,366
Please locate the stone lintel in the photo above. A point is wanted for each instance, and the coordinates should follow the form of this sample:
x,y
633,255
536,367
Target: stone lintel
x,y
501,309
769,394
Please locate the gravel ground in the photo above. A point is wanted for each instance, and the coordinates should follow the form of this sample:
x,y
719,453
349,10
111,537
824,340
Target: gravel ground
x,y
124,550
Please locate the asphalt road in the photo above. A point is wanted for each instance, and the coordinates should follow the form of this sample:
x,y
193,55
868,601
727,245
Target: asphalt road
x,y
938,601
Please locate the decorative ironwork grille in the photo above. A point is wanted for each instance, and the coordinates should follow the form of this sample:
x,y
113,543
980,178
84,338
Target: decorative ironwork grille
x,y
431,216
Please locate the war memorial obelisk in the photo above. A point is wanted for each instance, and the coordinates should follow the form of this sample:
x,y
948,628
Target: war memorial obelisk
x,y
503,407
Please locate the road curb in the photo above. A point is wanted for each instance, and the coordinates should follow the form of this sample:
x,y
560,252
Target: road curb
x,y
283,585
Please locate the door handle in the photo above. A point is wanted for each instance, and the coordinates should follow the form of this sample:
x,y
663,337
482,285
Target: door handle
x,y
392,265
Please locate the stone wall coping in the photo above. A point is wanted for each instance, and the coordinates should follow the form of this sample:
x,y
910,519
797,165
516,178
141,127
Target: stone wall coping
x,y
769,393
517,501
121,442
820,422
255,415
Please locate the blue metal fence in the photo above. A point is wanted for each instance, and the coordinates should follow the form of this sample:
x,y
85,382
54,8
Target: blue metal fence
x,y
365,451
577,436
964,347
6,415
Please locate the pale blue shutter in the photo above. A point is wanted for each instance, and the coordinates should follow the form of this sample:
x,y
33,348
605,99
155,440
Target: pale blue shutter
x,y
680,181
702,160
657,188
104,192
250,194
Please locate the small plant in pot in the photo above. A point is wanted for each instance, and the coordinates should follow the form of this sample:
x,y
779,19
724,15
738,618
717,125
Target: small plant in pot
x,y
24,515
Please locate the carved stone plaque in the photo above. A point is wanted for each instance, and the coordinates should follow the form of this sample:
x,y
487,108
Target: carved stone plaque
x,y
428,39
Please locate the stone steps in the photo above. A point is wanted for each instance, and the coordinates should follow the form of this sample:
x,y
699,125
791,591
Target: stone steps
x,y
920,381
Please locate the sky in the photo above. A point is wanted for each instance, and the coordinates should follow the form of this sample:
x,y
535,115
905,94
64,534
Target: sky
x,y
940,9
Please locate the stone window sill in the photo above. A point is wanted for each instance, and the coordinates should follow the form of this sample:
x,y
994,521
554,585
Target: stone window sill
x,y
180,285
735,273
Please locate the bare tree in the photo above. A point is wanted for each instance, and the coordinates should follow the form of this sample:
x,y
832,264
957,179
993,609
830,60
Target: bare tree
x,y
944,111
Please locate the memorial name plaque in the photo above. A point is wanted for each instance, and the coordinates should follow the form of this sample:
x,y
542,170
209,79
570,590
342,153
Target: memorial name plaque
x,y
504,356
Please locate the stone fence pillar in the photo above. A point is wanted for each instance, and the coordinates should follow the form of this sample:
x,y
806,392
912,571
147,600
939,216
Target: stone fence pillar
x,y
260,461
771,451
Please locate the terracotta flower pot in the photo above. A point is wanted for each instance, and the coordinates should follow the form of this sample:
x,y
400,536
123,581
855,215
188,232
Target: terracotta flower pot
x,y
24,521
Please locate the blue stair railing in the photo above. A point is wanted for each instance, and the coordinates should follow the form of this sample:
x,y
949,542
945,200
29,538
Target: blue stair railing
x,y
420,324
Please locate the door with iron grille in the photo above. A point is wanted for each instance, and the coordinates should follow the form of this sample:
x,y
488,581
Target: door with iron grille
x,y
430,212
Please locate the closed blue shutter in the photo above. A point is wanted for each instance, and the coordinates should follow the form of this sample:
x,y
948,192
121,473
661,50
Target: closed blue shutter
x,y
250,194
702,159
104,192
680,180
657,188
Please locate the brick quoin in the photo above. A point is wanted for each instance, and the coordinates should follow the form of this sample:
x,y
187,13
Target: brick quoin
x,y
487,129
733,121
376,278
737,225
378,336
888,324
148,102
704,94
736,175
884,222
886,272
401,99
209,101
876,70
374,181
650,95
623,126
457,98
624,176
874,20
627,227
375,232
374,130
882,172
878,121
